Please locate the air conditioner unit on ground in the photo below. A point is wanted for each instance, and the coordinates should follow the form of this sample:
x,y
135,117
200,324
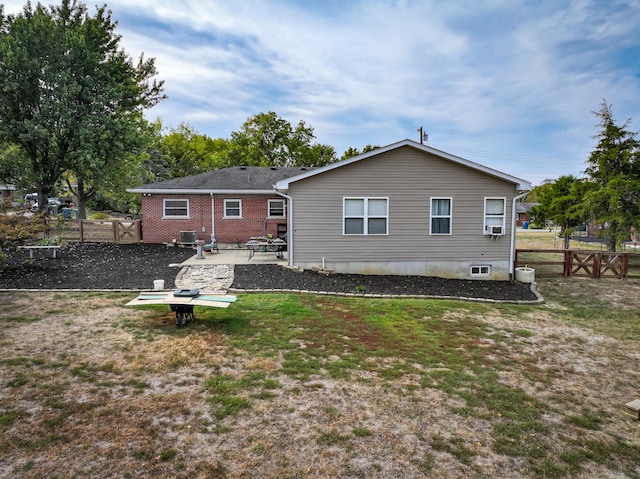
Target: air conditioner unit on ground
x,y
188,237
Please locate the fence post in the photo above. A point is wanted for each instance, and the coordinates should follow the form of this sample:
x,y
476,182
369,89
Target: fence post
x,y
568,262
116,232
597,264
624,266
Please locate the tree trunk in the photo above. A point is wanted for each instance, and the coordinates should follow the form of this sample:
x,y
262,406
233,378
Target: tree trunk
x,y
613,235
82,204
43,198
83,197
566,233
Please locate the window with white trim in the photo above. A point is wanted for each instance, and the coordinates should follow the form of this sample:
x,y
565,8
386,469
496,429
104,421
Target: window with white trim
x,y
233,208
481,270
494,216
276,208
441,213
365,216
175,208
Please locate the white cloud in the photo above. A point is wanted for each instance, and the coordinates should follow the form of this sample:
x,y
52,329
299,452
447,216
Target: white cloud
x,y
519,77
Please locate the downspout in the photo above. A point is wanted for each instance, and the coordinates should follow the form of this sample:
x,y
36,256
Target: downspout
x,y
213,221
289,225
512,252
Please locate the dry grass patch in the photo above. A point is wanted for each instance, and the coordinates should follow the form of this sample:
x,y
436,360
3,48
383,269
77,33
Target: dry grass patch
x,y
312,386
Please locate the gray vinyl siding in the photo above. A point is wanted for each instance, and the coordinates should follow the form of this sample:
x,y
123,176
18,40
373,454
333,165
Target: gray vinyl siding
x,y
409,179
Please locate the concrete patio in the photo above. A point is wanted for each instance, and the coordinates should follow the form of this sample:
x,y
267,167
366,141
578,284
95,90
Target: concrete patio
x,y
234,256
213,272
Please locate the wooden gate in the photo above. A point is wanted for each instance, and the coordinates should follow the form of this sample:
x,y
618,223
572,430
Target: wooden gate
x,y
596,264
110,231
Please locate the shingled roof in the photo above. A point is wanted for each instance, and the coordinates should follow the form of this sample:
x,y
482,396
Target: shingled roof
x,y
248,179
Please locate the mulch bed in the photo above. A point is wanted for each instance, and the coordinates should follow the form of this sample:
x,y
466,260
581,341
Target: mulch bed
x,y
268,276
108,266
94,266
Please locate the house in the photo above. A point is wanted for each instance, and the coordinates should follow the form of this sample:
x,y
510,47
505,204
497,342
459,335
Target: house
x,y
229,204
405,209
523,212
7,193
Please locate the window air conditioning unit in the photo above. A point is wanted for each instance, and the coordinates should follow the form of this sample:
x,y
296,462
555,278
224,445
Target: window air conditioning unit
x,y
188,237
495,230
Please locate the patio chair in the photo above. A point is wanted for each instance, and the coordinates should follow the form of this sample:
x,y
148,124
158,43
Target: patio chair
x,y
213,245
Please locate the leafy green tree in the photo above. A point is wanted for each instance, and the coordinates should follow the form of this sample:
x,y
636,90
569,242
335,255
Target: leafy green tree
x,y
70,97
268,140
188,152
351,152
614,171
14,166
534,195
560,202
155,165
317,155
369,148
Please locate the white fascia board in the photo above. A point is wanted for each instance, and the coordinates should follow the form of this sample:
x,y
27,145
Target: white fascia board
x,y
283,185
186,191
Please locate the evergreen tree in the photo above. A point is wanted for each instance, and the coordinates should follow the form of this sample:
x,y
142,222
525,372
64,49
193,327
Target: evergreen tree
x,y
613,199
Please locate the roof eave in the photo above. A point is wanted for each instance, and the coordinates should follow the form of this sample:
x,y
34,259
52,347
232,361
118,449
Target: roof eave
x,y
197,191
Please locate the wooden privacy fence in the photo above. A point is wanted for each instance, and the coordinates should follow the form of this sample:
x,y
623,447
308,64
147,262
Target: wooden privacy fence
x,y
110,231
577,263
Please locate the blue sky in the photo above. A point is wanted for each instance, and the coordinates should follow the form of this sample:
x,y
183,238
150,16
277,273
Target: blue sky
x,y
505,83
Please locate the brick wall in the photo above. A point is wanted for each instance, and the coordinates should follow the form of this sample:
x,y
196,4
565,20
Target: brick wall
x,y
254,220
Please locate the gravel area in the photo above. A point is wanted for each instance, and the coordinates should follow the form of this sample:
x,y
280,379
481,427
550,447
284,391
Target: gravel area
x,y
131,267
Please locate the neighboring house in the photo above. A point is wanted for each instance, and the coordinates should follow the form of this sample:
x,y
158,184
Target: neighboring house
x,y
230,204
523,210
8,193
404,209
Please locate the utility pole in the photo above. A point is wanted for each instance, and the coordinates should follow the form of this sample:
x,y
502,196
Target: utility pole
x,y
423,136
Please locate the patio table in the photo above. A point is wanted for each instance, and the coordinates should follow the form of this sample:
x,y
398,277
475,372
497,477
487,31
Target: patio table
x,y
276,246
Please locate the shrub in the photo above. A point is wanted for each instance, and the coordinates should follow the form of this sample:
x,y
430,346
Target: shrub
x,y
16,228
